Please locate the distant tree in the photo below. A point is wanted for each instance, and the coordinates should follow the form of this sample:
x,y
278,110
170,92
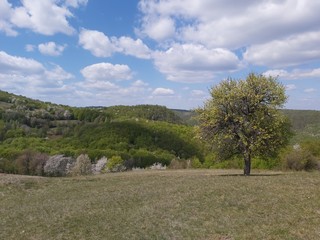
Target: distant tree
x,y
242,117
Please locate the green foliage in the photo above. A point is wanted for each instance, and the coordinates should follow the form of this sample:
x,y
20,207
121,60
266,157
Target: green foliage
x,y
115,163
148,112
195,163
242,118
142,135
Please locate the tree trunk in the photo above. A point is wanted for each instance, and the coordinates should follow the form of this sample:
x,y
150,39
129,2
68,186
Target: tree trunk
x,y
247,163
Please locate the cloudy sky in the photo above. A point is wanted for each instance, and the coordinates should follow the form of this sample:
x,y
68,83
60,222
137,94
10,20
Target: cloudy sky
x,y
166,52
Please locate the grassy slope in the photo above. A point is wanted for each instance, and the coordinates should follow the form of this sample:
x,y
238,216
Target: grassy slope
x,y
162,205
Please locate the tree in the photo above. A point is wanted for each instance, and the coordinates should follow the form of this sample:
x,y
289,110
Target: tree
x,y
242,117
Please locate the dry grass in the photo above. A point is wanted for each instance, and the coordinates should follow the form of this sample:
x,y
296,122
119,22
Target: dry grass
x,y
190,204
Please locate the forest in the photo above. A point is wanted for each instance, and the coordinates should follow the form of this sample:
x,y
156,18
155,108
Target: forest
x,y
31,131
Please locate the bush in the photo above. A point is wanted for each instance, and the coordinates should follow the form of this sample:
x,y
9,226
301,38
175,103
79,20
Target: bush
x,y
58,166
99,166
195,163
300,159
31,163
82,166
178,163
209,160
115,164
7,166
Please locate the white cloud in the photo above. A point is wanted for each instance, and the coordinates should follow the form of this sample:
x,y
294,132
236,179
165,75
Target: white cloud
x,y
294,74
75,3
133,47
194,63
5,14
290,87
100,45
106,72
216,23
30,47
139,83
58,73
28,77
16,65
290,51
159,29
310,90
96,42
51,48
163,92
42,16
198,93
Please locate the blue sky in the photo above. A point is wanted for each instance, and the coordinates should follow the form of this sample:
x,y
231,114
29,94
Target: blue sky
x,y
169,52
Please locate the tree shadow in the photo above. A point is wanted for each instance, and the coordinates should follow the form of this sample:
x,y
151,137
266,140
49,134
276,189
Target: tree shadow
x,y
251,175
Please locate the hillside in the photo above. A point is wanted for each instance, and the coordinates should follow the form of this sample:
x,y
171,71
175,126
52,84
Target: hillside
x,y
142,135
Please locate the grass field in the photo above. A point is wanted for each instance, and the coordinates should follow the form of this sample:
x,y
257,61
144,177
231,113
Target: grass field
x,y
193,204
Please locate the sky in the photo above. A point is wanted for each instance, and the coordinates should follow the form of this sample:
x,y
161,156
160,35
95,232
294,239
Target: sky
x,y
165,52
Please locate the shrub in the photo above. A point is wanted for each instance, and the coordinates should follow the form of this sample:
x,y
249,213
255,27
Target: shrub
x,y
82,166
31,163
178,163
209,160
7,166
115,164
195,163
99,166
36,165
299,159
58,165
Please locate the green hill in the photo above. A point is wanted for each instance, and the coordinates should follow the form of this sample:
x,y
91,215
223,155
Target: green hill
x,y
142,134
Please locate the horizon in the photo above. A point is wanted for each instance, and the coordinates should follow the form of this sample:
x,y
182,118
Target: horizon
x,y
174,109
169,53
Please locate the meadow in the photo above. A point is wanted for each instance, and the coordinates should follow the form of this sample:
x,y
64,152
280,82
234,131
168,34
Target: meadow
x,y
169,204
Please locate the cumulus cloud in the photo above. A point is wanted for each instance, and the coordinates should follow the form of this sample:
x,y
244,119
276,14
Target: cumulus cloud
x,y
107,72
133,47
42,16
51,48
27,76
218,23
96,42
139,83
163,92
46,17
194,63
159,29
17,65
5,15
75,3
290,51
57,73
294,74
100,45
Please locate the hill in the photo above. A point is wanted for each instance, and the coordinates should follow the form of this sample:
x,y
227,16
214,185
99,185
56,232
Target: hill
x,y
142,135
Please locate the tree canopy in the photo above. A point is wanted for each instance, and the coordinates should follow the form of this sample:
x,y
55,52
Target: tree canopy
x,y
242,117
